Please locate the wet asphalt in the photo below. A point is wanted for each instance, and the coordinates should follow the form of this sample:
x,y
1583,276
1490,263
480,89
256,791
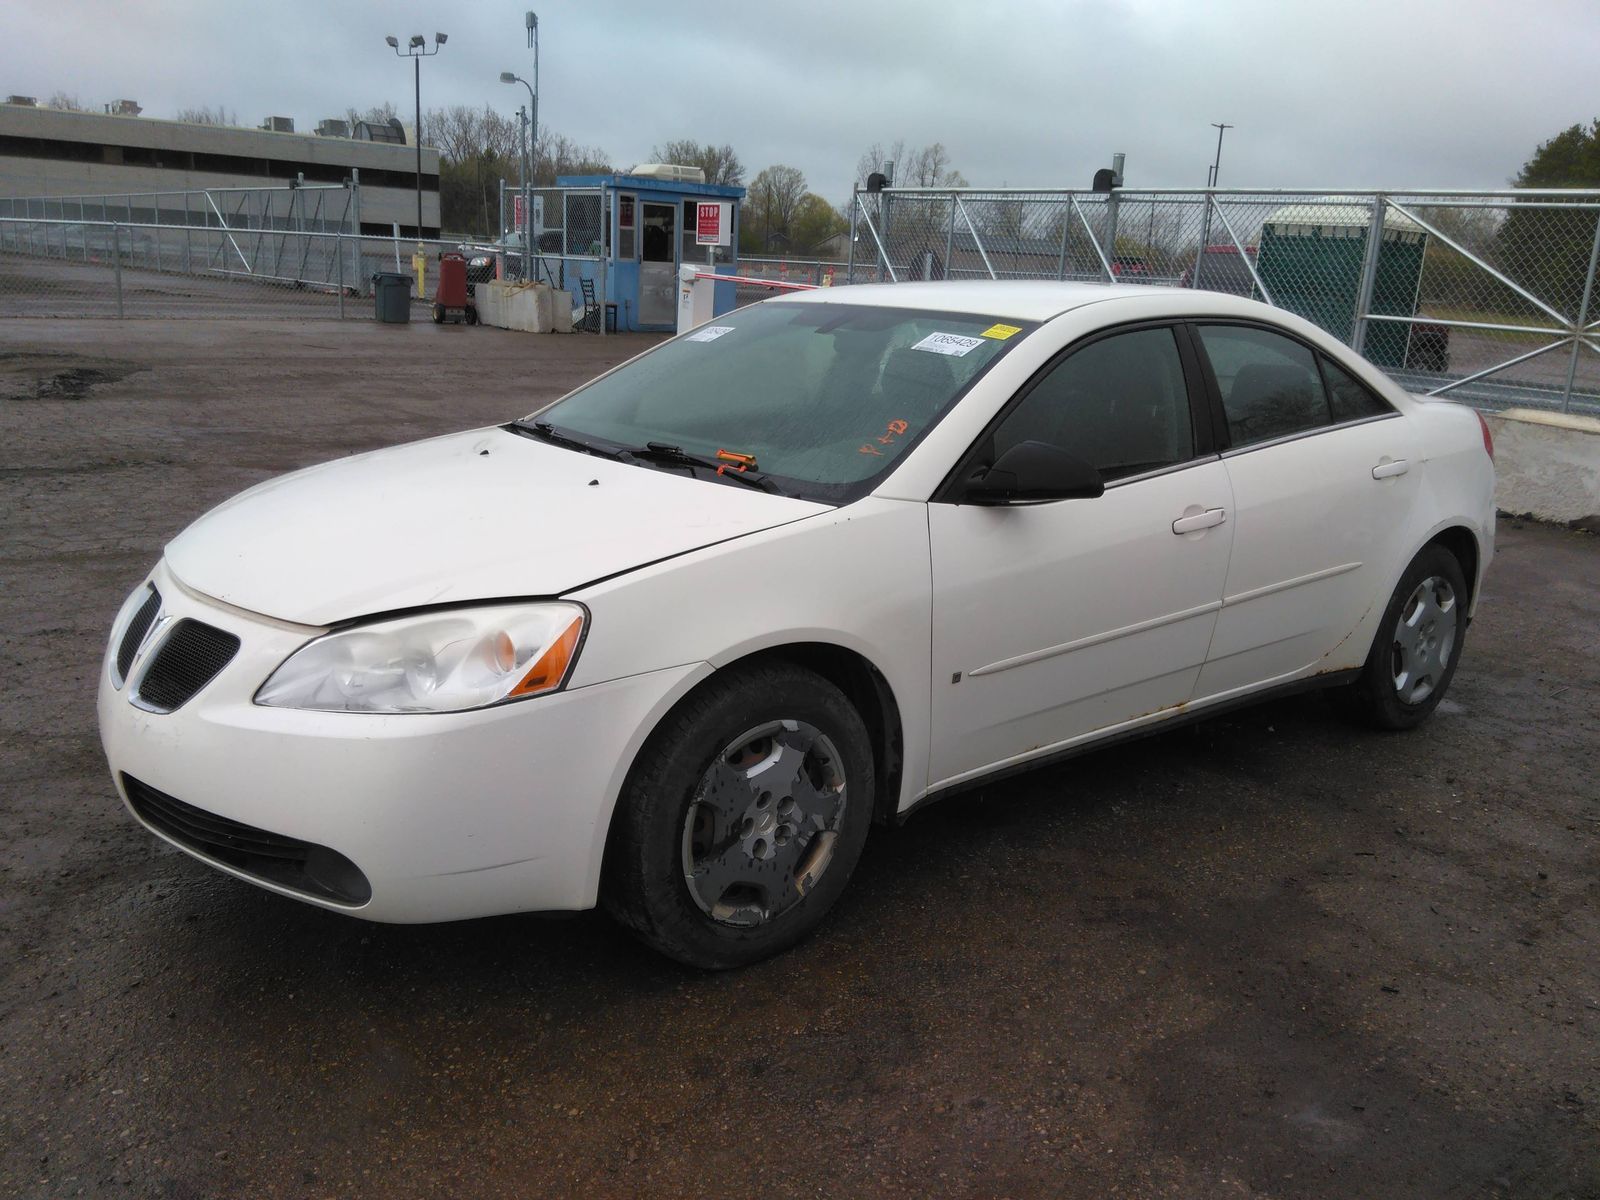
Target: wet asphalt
x,y
1269,955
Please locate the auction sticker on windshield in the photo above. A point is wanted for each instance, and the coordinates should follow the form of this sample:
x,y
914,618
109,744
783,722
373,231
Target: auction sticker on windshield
x,y
709,334
948,343
1001,332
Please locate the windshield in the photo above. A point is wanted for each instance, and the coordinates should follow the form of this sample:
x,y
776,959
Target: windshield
x,y
823,398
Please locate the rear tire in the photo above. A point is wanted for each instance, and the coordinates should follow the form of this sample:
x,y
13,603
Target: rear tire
x,y
743,818
1418,644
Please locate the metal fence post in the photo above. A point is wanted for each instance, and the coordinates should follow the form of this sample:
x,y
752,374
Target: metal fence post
x,y
1205,240
1583,319
338,252
855,223
1369,276
950,237
1061,260
116,264
1112,203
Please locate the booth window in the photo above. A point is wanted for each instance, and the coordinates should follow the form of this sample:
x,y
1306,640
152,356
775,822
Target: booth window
x,y
627,227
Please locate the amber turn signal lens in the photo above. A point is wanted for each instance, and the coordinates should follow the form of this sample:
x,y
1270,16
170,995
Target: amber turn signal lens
x,y
551,668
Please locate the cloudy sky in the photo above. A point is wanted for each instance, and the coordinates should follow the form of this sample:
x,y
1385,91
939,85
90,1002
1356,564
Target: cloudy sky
x,y
1416,93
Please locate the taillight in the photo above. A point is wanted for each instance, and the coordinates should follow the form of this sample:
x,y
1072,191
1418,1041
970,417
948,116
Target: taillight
x,y
1488,438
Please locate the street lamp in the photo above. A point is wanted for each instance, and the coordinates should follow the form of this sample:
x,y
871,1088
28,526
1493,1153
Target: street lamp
x,y
416,50
1216,167
531,20
526,168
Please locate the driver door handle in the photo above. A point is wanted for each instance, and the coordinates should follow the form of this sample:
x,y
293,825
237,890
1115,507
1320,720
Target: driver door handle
x,y
1204,520
1386,470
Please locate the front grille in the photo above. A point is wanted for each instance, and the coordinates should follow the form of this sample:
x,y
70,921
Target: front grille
x,y
136,631
188,660
285,861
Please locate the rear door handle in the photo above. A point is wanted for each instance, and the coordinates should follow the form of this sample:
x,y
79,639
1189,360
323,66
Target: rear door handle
x,y
1387,470
1204,520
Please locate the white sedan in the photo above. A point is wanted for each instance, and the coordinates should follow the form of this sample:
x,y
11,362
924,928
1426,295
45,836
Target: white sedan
x,y
676,642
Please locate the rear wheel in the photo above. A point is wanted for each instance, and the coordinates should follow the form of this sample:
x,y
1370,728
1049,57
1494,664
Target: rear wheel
x,y
743,819
438,314
1414,656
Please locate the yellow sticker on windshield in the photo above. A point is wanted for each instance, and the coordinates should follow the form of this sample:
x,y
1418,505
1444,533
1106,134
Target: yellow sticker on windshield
x,y
1002,332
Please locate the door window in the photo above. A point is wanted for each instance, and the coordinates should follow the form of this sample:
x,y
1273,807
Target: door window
x,y
1119,402
1350,399
1269,383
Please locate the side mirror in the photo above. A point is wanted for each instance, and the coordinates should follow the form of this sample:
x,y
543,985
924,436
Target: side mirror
x,y
1034,471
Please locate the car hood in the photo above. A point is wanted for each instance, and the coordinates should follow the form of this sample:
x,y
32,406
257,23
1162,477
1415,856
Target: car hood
x,y
486,514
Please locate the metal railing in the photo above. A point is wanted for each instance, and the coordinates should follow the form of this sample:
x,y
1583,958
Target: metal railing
x,y
1490,297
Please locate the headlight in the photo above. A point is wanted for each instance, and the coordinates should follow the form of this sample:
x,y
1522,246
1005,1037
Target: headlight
x,y
433,662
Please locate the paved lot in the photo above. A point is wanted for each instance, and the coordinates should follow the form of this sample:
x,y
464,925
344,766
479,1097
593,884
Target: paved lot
x,y
1265,956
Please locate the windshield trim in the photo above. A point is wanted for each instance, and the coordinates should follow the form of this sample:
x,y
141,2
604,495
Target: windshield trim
x,y
833,495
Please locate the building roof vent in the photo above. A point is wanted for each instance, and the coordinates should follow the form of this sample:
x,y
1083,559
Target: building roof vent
x,y
278,125
124,108
333,128
23,101
370,131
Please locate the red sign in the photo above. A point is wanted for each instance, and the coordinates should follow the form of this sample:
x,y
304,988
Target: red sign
x,y
519,219
708,224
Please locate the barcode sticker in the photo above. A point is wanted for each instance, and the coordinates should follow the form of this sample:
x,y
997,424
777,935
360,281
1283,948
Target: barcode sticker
x,y
948,343
709,334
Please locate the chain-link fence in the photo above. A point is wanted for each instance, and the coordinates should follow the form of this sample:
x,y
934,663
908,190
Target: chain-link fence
x,y
1488,296
259,252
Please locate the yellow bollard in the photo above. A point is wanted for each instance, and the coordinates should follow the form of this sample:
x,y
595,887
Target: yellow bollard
x,y
419,264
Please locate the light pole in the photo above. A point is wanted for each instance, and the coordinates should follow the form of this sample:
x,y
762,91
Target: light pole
x,y
1216,167
416,50
527,169
531,20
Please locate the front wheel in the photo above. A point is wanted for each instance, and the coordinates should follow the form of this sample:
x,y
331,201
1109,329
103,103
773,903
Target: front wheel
x,y
743,819
1414,655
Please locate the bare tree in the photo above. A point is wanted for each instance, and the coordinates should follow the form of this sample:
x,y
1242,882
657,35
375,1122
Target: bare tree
x,y
207,116
65,102
557,155
458,131
926,166
720,163
377,115
774,198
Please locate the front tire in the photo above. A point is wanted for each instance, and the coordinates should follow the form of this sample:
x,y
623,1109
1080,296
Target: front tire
x,y
743,818
1418,645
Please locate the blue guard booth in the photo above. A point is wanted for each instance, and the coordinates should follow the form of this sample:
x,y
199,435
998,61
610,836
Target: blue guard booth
x,y
654,226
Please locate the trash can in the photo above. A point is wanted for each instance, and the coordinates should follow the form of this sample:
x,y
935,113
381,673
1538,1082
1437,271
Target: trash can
x,y
391,297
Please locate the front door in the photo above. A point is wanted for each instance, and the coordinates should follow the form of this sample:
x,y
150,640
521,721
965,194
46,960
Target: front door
x,y
1051,621
658,264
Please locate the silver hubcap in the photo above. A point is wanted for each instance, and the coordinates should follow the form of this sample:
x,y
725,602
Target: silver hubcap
x,y
1424,637
764,819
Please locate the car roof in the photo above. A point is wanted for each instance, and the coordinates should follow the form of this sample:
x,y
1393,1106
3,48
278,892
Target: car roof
x,y
1029,299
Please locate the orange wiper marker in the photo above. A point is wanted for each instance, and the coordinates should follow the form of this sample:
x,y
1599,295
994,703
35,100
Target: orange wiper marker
x,y
746,462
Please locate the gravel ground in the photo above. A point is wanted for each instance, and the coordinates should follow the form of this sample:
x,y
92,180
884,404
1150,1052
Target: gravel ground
x,y
1267,955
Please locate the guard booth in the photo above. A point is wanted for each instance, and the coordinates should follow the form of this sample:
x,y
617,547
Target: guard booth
x,y
660,217
1311,259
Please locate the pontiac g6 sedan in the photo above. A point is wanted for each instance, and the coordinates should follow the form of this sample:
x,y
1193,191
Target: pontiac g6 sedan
x,y
675,643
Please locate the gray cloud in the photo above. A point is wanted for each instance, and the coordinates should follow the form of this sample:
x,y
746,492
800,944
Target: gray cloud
x,y
1421,94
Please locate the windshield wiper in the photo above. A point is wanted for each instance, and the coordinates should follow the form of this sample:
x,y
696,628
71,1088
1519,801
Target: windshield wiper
x,y
547,432
666,454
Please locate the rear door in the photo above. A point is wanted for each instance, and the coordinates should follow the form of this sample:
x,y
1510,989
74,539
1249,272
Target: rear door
x,y
1324,475
1053,620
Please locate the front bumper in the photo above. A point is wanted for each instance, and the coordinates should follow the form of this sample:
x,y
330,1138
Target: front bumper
x,y
446,816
